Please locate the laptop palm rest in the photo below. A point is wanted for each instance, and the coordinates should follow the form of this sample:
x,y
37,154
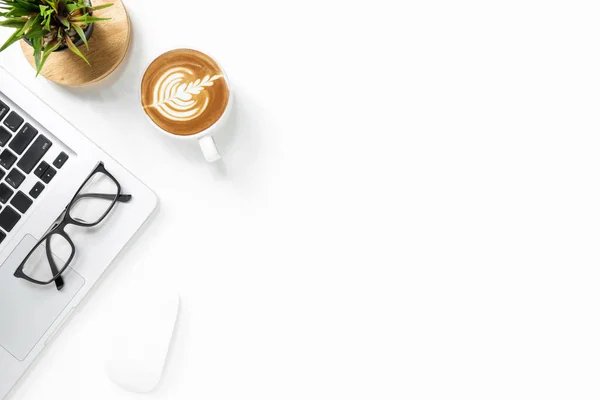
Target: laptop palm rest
x,y
29,310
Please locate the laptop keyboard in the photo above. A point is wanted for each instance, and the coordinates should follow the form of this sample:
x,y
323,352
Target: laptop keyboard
x,y
22,151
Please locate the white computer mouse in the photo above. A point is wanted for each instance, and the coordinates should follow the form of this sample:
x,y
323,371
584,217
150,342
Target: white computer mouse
x,y
143,332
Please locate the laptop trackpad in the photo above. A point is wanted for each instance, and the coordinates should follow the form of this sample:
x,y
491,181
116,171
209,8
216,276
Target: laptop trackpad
x,y
28,310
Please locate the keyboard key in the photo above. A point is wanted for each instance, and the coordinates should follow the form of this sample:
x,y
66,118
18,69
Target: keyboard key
x,y
15,178
4,136
34,154
13,121
3,110
37,189
9,218
23,138
21,202
39,171
7,159
49,174
2,236
5,193
60,160
2,173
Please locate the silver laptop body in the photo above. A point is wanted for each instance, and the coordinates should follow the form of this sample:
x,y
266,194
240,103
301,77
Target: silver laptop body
x,y
30,314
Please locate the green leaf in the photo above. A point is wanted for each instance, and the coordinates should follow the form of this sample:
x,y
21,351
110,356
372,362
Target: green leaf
x,y
53,4
12,39
17,12
88,20
37,26
47,52
27,5
37,50
74,7
34,34
74,49
29,24
13,23
64,21
81,34
47,23
102,6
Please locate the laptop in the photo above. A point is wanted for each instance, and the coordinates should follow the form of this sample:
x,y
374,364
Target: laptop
x,y
44,161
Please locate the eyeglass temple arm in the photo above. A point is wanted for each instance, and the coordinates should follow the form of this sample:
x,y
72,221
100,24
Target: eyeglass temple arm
x,y
59,282
123,198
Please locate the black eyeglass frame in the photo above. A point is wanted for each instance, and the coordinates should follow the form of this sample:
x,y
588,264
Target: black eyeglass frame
x,y
63,221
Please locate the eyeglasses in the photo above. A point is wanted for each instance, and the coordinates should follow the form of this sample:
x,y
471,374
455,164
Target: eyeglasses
x,y
94,200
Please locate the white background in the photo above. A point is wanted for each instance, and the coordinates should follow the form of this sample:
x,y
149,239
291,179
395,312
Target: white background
x,y
409,205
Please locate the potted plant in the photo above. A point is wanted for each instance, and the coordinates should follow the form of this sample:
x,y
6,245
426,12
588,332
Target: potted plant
x,y
49,25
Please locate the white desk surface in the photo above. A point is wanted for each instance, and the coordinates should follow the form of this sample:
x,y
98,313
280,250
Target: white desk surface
x,y
409,207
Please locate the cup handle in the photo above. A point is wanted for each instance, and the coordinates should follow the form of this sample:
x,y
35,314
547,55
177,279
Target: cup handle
x,y
209,148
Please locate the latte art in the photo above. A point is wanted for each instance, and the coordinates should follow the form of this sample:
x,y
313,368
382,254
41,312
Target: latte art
x,y
184,92
177,99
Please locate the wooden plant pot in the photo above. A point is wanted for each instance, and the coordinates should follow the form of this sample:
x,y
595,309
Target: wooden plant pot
x,y
108,44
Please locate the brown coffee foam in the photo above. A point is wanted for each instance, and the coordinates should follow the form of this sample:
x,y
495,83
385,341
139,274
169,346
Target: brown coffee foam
x,y
184,92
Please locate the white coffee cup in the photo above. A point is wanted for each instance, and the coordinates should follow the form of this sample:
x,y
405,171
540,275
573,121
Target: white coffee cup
x,y
206,137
